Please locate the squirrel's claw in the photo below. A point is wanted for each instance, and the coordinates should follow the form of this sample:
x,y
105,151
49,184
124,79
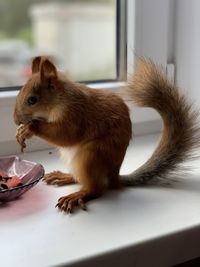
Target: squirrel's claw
x,y
68,203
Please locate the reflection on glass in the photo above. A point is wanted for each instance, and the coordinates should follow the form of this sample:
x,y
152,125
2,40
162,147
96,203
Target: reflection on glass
x,y
80,37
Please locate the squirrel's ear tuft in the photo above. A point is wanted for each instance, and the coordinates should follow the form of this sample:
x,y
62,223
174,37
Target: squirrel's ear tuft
x,y
36,64
47,70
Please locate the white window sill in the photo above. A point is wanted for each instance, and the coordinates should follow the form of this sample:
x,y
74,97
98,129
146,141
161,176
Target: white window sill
x,y
145,226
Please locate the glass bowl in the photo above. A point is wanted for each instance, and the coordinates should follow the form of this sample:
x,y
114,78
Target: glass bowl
x,y
29,173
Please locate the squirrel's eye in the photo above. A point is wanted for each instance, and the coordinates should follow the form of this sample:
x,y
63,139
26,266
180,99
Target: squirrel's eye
x,y
32,100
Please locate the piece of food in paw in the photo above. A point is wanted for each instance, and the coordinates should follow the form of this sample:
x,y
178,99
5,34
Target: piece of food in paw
x,y
19,137
22,143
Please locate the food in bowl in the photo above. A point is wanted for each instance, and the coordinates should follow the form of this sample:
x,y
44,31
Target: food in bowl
x,y
29,173
8,181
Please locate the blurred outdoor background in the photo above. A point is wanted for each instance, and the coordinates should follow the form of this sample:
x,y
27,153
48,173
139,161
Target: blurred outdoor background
x,y
80,37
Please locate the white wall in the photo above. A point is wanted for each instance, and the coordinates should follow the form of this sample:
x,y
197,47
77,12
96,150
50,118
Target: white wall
x,y
169,32
150,40
187,46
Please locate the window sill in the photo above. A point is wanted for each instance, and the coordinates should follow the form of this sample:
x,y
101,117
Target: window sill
x,y
143,226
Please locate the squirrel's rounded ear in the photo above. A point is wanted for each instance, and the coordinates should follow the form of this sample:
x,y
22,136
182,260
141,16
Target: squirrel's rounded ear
x,y
36,64
47,70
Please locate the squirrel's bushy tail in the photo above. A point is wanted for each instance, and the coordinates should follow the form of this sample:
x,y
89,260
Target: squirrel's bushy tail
x,y
149,87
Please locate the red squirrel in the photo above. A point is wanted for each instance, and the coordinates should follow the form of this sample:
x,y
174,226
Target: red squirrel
x,y
92,128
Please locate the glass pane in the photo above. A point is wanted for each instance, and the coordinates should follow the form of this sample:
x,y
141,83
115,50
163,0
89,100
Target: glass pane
x,y
79,36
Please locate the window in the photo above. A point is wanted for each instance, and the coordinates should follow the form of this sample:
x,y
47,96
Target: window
x,y
80,36
135,28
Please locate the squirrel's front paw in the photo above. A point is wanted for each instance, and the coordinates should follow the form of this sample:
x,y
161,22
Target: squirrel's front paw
x,y
23,132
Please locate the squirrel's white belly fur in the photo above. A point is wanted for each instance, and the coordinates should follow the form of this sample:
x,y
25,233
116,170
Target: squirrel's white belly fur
x,y
68,155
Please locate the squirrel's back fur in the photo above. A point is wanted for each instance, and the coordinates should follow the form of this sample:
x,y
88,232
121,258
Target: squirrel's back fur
x,y
149,87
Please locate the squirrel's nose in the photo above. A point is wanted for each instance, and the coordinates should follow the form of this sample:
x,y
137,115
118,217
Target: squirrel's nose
x,y
17,118
17,121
